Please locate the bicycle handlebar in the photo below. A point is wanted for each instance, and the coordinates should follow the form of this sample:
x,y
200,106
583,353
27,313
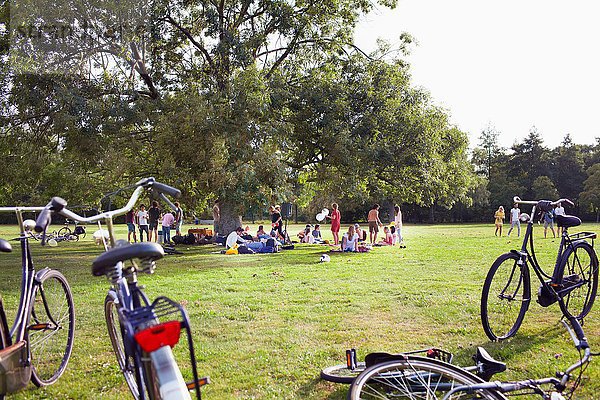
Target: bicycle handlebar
x,y
518,200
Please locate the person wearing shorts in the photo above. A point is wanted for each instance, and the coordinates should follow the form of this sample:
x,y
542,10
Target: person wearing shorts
x,y
549,222
153,217
130,221
374,223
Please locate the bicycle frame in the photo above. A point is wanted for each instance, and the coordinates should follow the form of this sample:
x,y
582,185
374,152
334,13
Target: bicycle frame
x,y
28,275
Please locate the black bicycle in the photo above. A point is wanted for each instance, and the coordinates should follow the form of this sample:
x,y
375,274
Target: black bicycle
x,y
506,293
38,345
142,332
67,232
429,374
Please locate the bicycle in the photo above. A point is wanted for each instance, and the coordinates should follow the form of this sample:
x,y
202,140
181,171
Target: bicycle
x,y
38,345
573,284
141,332
79,230
432,375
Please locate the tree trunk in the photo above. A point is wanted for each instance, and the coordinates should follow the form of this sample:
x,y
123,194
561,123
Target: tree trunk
x,y
432,214
229,218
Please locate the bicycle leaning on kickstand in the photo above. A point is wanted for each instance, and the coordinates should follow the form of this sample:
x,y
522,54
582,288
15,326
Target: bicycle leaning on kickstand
x,y
141,332
38,345
573,284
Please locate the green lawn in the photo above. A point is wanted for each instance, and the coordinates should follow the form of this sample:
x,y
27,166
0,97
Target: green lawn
x,y
265,325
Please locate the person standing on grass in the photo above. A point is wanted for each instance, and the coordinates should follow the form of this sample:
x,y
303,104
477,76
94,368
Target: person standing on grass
x,y
276,220
336,222
216,210
178,218
499,220
374,223
130,221
142,219
153,216
167,221
398,225
549,221
559,210
515,213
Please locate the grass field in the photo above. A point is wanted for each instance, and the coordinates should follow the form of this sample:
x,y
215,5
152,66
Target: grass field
x,y
265,325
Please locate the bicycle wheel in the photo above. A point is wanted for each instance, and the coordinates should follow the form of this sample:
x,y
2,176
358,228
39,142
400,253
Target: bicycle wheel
x,y
505,297
128,363
579,266
416,378
51,328
64,231
341,373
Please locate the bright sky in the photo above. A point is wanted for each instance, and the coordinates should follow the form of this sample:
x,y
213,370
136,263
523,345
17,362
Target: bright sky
x,y
511,64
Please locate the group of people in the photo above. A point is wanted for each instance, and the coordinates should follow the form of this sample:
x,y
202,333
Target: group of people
x,y
351,239
147,221
547,217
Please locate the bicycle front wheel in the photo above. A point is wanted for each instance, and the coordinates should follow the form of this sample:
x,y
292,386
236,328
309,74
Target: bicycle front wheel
x,y
341,373
64,231
51,328
505,297
416,378
579,267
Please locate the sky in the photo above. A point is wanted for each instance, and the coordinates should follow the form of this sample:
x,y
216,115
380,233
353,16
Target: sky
x,y
510,65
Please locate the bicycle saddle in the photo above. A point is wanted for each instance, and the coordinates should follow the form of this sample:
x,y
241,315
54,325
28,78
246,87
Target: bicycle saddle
x,y
5,247
567,221
144,250
486,365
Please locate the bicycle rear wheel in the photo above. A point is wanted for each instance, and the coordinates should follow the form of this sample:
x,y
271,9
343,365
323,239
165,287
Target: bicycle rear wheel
x,y
129,364
579,266
51,328
416,378
505,297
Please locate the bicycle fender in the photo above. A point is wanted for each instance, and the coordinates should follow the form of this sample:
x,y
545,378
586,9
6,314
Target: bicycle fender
x,y
41,273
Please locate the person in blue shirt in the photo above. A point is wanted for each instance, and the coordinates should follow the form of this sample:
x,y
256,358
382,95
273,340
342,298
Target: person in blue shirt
x,y
549,222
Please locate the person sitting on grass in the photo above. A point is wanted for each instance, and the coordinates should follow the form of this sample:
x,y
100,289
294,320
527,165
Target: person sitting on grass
x,y
350,240
388,240
317,234
307,237
362,234
261,234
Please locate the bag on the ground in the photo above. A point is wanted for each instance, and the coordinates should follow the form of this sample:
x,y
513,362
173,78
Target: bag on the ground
x,y
245,250
177,239
189,239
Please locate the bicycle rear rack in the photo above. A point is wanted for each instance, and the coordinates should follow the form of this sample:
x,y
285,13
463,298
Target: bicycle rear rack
x,y
582,236
164,309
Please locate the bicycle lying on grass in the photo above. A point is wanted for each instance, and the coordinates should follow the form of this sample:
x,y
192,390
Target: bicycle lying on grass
x,y
432,376
573,284
141,332
39,343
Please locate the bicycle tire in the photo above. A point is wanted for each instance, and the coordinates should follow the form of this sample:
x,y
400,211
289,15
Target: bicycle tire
x,y
52,306
416,378
341,373
501,318
129,364
64,231
579,263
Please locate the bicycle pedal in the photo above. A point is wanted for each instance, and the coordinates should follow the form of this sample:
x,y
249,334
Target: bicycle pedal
x,y
201,382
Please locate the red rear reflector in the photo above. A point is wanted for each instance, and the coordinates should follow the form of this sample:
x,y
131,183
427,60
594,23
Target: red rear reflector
x,y
157,336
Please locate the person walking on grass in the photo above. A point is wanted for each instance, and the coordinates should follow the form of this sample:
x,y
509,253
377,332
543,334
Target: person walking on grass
x,y
398,226
335,218
515,213
499,220
374,223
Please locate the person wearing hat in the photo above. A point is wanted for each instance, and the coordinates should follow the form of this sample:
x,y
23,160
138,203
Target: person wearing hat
x,y
362,235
